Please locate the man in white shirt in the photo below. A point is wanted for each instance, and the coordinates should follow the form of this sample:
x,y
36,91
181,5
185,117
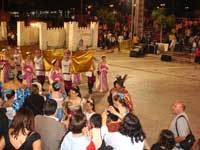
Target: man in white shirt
x,y
180,120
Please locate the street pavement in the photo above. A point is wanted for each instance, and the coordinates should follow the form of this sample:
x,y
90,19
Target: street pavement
x,y
154,86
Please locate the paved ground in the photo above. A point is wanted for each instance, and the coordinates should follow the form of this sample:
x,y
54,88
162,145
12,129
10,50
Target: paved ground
x,y
154,85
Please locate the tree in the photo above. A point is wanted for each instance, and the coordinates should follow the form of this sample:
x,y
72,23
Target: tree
x,y
164,20
107,16
4,16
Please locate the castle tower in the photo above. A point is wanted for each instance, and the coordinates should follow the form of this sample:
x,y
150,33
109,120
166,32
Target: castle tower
x,y
20,33
66,28
139,17
3,30
43,36
72,36
94,27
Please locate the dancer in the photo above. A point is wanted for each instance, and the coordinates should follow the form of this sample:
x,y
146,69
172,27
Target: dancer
x,y
74,103
39,67
17,57
55,72
27,70
91,80
12,83
102,71
76,79
120,89
66,64
5,66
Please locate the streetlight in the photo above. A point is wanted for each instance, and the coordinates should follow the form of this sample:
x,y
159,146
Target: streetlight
x,y
2,4
132,19
81,10
111,5
162,4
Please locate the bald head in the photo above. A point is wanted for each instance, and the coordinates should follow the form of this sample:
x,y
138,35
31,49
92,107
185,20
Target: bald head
x,y
178,107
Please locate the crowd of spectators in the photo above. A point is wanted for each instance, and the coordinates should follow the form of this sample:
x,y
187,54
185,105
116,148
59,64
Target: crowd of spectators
x,y
36,124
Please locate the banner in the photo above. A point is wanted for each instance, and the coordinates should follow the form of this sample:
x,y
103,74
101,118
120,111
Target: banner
x,y
82,61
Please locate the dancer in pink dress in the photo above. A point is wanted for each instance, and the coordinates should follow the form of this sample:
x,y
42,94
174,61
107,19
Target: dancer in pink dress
x,y
76,79
55,74
4,66
102,71
27,70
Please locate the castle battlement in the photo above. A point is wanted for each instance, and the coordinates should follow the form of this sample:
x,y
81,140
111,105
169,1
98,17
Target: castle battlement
x,y
67,36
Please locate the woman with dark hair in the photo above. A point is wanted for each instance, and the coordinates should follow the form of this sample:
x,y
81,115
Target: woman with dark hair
x,y
95,124
10,112
118,110
56,94
34,101
77,138
21,135
120,89
10,94
74,103
89,108
129,137
166,141
4,122
119,107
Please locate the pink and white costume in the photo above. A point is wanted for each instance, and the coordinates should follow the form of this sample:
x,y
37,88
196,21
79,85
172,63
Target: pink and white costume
x,y
27,72
103,70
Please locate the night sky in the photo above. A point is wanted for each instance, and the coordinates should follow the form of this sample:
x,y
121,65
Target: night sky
x,y
42,4
64,4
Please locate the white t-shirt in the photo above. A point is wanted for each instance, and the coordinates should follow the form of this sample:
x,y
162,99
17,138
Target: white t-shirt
x,y
119,141
39,66
71,142
88,115
182,127
66,69
96,137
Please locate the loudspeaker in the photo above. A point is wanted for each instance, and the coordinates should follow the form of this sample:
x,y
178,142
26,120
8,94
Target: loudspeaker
x,y
134,52
166,58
